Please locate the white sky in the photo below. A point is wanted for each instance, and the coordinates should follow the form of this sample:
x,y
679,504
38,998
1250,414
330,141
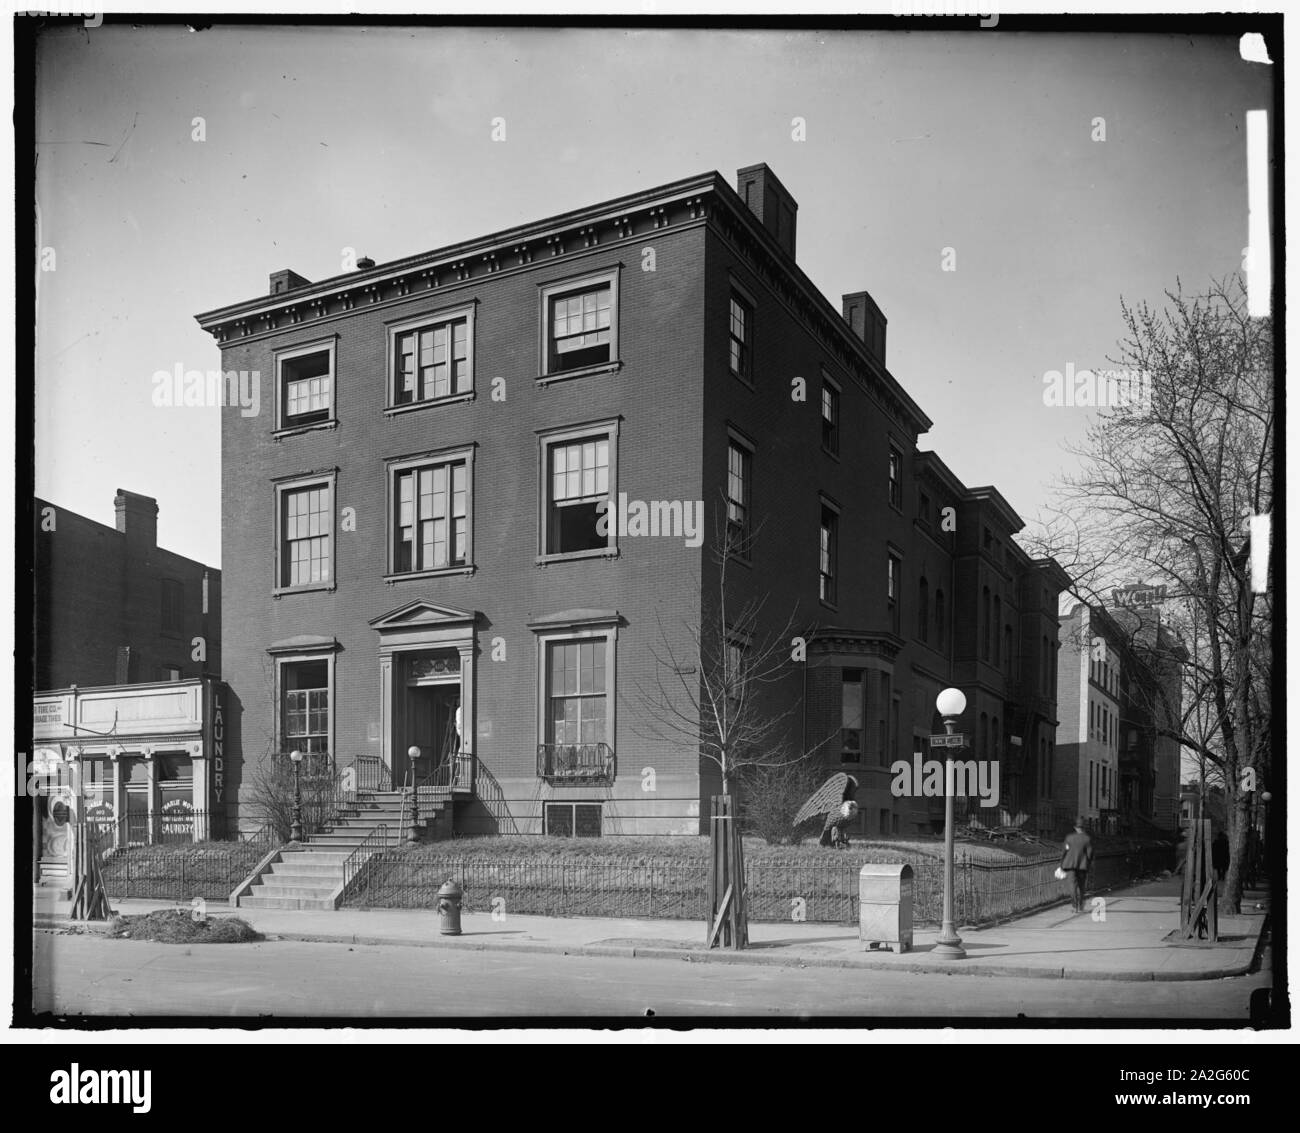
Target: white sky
x,y
380,140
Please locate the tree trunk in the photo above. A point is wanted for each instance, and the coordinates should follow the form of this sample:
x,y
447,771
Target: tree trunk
x,y
1238,816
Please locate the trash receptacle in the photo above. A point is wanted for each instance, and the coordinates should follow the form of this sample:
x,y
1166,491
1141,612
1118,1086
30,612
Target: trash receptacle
x,y
885,906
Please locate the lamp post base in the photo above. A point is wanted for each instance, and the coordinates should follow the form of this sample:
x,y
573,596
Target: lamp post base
x,y
948,944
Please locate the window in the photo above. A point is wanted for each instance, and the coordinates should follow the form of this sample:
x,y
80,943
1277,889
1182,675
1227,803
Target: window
x,y
895,828
432,358
305,544
739,334
923,509
580,324
305,702
893,582
829,539
895,479
923,610
830,416
576,693
306,385
852,714
173,607
984,628
984,735
739,460
1006,648
993,629
429,500
884,820
572,820
578,476
940,620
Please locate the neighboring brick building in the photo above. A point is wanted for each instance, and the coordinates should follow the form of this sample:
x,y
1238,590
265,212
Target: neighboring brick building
x,y
112,607
1120,675
126,711
413,554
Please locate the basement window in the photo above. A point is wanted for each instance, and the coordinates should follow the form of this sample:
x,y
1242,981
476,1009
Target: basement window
x,y
572,820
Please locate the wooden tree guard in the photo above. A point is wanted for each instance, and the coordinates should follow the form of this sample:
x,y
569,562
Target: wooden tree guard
x,y
727,923
1199,907
89,895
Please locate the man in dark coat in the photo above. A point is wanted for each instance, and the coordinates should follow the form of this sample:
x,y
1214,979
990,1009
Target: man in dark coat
x,y
1219,854
1077,860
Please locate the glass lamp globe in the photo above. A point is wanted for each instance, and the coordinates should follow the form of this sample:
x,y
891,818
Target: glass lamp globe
x,y
951,702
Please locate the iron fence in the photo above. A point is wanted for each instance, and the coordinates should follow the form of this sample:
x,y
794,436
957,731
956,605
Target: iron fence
x,y
817,891
171,874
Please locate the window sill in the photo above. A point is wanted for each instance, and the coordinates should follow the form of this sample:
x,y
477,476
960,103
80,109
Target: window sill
x,y
428,403
572,556
402,576
294,430
833,453
828,605
281,591
743,379
581,372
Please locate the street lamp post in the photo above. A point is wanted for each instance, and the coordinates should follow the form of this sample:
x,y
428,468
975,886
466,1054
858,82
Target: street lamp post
x,y
295,829
951,704
412,834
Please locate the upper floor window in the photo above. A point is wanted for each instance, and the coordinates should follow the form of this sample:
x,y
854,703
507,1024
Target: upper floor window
x,y
173,606
739,333
986,622
940,619
894,581
432,357
304,540
852,715
993,630
923,610
578,474
306,385
828,550
581,324
923,508
830,416
739,460
430,502
895,479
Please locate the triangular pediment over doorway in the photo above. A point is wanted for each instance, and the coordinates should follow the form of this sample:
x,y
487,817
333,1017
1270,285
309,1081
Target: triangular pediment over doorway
x,y
423,614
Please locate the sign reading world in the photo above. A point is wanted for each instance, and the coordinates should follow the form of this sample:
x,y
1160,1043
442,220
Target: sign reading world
x,y
1133,596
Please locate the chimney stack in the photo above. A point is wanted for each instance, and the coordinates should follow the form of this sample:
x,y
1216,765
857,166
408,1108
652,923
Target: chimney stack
x,y
771,202
137,519
867,321
286,280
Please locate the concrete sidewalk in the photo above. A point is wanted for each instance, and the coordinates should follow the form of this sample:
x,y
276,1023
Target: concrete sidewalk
x,y
1133,942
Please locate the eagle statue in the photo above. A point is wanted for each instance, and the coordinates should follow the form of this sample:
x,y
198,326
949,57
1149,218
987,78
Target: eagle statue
x,y
834,800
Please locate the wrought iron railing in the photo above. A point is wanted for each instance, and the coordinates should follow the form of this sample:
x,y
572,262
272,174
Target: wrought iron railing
x,y
583,763
370,773
355,867
161,828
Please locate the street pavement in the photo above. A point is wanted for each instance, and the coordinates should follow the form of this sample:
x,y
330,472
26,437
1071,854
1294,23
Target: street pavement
x,y
1133,937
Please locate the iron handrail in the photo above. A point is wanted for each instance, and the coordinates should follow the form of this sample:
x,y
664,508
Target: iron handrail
x,y
593,763
373,842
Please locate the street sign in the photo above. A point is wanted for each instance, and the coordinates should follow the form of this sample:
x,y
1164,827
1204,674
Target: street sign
x,y
956,740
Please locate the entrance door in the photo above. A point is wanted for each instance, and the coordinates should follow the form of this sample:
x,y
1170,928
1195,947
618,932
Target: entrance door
x,y
432,724
55,817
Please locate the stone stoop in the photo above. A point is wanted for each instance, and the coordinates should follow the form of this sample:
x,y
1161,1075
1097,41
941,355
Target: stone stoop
x,y
311,876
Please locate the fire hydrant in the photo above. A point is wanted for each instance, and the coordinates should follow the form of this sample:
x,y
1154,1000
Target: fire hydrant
x,y
449,909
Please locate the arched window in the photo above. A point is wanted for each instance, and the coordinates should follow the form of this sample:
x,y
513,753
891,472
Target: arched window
x,y
923,610
940,617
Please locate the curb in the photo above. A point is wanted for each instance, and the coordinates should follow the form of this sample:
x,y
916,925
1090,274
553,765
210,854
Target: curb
x,y
698,956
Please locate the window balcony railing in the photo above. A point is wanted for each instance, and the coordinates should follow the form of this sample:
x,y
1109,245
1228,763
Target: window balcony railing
x,y
575,763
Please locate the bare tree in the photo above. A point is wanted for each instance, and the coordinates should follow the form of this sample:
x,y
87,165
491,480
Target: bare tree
x,y
715,685
1166,490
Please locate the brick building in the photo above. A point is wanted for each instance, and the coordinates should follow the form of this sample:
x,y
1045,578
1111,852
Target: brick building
x,y
114,608
1120,679
126,706
414,552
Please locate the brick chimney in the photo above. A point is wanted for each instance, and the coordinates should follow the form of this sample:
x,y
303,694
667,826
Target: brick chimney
x,y
286,280
867,321
771,202
137,519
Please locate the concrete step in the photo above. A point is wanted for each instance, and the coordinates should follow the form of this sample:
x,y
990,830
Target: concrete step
x,y
285,903
324,854
307,865
316,892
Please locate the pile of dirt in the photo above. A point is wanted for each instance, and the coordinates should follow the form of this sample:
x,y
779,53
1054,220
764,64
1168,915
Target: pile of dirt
x,y
178,926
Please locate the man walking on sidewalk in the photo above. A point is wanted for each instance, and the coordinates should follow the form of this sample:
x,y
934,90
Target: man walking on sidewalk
x,y
1077,859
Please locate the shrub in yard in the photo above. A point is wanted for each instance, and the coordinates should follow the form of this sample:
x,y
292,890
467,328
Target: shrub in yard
x,y
771,795
178,926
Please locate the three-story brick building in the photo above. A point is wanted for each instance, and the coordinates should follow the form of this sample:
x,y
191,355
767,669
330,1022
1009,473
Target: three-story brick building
x,y
416,547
